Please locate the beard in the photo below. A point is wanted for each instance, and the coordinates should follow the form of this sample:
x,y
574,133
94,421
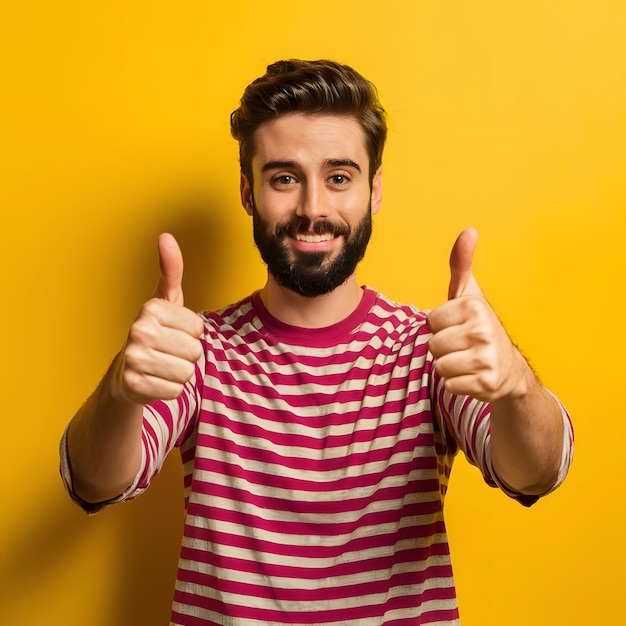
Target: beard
x,y
311,274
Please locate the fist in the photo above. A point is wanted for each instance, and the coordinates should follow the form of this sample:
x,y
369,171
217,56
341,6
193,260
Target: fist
x,y
472,350
163,343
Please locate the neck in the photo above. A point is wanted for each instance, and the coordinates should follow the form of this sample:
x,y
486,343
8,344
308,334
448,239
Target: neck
x,y
296,310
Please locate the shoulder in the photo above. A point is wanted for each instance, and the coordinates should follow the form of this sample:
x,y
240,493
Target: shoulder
x,y
396,318
229,315
235,322
386,308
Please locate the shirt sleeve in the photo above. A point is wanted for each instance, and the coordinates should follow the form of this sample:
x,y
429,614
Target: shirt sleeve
x,y
468,421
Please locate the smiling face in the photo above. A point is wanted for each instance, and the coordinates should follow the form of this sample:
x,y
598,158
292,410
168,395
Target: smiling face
x,y
311,200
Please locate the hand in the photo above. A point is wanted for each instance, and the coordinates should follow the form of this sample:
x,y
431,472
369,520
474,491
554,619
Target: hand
x,y
163,343
471,347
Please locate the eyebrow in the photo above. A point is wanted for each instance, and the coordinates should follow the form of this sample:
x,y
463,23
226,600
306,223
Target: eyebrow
x,y
288,164
278,165
342,163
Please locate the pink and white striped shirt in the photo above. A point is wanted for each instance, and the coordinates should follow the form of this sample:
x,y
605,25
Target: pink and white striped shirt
x,y
316,463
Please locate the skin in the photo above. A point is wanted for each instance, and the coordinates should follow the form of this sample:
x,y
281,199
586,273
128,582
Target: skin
x,y
315,166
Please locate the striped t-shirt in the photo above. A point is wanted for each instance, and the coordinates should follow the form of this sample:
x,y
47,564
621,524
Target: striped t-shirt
x,y
316,462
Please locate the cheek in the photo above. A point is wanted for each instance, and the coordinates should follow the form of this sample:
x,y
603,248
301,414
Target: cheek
x,y
275,206
357,203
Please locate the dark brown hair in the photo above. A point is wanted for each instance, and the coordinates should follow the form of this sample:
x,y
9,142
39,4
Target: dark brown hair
x,y
296,86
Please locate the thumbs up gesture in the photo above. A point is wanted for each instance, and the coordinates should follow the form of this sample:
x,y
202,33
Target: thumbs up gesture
x,y
163,344
471,347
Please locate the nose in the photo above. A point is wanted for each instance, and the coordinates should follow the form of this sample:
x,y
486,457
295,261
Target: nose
x,y
313,202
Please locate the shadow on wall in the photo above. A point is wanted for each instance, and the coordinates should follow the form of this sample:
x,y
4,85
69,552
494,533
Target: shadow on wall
x,y
146,533
150,532
145,545
152,525
203,228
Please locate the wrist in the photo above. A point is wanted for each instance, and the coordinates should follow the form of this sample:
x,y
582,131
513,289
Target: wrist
x,y
522,379
115,388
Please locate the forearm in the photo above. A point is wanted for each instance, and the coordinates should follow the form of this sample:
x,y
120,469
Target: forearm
x,y
527,437
104,442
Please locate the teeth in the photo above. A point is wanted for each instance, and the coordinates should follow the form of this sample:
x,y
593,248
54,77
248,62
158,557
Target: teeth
x,y
314,238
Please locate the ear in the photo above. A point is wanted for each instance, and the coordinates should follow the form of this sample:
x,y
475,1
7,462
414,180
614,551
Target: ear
x,y
245,191
377,190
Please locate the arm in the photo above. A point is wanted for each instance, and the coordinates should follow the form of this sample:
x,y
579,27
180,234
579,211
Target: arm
x,y
527,436
104,437
476,357
104,441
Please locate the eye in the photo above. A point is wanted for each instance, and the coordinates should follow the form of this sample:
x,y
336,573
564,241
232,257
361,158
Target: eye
x,y
339,179
284,179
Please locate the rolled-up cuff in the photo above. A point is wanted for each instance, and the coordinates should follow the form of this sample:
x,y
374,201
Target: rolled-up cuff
x,y
567,453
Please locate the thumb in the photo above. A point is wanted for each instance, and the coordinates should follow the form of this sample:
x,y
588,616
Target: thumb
x,y
170,285
462,280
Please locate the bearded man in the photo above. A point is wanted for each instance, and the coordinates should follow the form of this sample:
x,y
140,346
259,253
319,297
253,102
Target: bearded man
x,y
317,419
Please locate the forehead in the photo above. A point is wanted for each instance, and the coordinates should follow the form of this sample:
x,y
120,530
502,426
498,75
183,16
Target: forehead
x,y
308,138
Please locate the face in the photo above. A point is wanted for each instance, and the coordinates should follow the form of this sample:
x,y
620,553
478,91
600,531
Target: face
x,y
312,201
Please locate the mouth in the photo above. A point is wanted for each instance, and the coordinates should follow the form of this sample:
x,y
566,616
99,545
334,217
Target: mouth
x,y
313,237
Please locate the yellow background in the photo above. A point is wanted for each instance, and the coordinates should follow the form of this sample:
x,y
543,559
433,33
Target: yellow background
x,y
506,115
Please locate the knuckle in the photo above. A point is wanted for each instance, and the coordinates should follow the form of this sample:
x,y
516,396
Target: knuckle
x,y
489,382
432,321
169,389
433,345
198,326
471,305
141,332
197,352
172,392
440,367
187,372
133,357
133,383
190,349
152,306
480,332
477,310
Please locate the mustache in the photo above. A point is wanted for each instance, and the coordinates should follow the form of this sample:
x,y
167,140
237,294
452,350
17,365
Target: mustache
x,y
300,225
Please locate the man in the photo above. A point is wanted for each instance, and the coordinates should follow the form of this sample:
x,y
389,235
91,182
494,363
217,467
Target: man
x,y
317,420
